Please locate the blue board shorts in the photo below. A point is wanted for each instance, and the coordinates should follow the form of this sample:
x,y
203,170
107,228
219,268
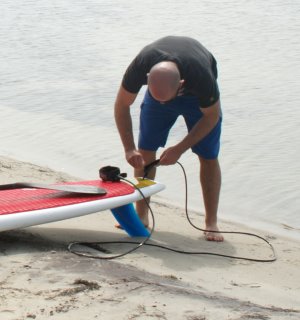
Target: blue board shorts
x,y
156,120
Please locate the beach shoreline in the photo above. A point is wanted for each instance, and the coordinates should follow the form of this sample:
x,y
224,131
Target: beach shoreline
x,y
41,279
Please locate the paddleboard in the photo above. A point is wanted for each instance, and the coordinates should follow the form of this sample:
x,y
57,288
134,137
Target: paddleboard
x,y
21,208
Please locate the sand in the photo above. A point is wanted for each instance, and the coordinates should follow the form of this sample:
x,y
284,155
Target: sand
x,y
40,279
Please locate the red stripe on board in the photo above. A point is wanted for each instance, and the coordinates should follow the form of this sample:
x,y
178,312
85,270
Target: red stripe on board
x,y
21,200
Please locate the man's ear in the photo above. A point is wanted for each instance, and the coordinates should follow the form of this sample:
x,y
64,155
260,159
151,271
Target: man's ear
x,y
181,89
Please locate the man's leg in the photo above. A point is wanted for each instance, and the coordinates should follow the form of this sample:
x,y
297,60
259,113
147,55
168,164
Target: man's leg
x,y
210,178
141,206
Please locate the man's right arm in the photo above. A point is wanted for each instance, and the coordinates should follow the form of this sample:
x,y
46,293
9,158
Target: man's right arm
x,y
124,124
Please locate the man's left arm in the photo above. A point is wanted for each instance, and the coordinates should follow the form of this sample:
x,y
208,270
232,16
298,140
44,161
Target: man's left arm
x,y
208,121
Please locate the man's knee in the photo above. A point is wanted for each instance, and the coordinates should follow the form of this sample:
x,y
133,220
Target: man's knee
x,y
208,163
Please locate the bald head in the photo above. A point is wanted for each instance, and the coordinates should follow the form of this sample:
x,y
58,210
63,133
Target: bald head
x,y
164,81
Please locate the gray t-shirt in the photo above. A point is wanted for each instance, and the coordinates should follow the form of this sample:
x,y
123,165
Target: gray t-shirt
x,y
197,66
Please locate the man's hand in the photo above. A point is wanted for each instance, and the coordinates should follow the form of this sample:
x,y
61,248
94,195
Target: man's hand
x,y
135,159
170,156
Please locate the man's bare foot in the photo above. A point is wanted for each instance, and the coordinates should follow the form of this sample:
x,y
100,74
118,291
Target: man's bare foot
x,y
210,235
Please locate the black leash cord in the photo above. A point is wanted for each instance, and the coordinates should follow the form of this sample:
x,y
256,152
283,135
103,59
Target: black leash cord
x,y
274,258
145,243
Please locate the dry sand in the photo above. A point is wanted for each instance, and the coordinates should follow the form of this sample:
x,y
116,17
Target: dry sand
x,y
40,279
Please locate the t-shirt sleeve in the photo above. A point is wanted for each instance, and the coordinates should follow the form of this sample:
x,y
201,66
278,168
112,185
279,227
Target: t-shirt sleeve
x,y
135,76
212,94
210,89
